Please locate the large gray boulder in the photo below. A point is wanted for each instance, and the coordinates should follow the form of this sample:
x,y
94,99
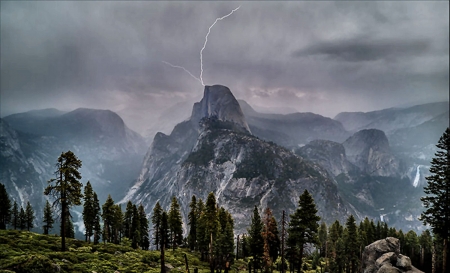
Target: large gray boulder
x,y
383,256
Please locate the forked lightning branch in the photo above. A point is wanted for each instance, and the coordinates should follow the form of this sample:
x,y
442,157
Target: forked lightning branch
x,y
200,79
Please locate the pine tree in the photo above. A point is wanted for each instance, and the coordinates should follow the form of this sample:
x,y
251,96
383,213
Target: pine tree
x,y
15,216
202,238
303,227
118,224
164,237
437,201
108,216
97,230
48,218
5,207
175,224
156,221
145,241
426,244
411,246
29,214
271,239
66,188
88,211
351,244
192,218
136,228
22,219
322,239
128,217
70,230
256,241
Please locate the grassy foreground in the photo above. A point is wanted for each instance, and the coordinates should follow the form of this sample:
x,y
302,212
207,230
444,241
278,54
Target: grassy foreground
x,y
23,251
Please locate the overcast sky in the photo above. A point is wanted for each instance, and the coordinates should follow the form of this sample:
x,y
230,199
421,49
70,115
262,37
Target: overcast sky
x,y
321,57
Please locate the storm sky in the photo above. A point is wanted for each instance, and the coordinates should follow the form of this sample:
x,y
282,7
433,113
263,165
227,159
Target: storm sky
x,y
321,57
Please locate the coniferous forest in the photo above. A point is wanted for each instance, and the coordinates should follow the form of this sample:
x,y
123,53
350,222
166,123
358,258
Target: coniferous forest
x,y
127,240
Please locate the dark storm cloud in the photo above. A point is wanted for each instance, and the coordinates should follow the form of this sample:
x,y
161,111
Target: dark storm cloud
x,y
361,50
306,55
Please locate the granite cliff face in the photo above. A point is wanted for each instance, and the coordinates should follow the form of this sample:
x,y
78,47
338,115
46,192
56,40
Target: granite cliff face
x,y
329,154
214,151
369,150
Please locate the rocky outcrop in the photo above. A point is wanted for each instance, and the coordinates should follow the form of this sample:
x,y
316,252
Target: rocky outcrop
x,y
383,256
370,151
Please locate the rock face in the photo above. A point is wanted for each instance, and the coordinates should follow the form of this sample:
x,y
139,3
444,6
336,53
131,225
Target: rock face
x,y
328,154
214,152
220,103
369,150
383,256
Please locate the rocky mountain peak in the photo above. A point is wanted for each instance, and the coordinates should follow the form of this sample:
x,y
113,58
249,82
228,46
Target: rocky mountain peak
x,y
218,102
369,150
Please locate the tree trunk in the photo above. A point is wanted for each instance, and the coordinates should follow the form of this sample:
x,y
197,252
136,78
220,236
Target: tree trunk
x,y
163,264
433,259
444,256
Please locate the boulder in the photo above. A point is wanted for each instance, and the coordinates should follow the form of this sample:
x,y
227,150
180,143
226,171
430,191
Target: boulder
x,y
383,256
388,268
403,262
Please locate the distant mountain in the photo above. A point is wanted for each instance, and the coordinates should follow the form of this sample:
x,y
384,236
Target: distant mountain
x,y
295,129
392,119
214,151
111,154
370,177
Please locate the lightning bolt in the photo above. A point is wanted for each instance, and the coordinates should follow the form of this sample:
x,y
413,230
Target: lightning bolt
x,y
206,41
177,66
201,51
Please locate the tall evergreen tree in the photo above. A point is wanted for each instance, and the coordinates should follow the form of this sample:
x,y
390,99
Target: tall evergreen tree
x,y
66,187
48,217
437,201
192,218
202,237
175,223
351,244
271,239
69,228
88,211
426,244
97,230
22,219
156,221
412,247
127,219
136,228
108,216
145,241
256,240
164,238
5,207
29,214
117,224
15,216
303,227
322,239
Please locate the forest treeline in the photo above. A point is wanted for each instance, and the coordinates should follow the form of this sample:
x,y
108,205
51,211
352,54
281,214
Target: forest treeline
x,y
266,244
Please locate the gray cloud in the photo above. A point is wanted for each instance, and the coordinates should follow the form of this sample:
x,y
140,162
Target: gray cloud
x,y
311,56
